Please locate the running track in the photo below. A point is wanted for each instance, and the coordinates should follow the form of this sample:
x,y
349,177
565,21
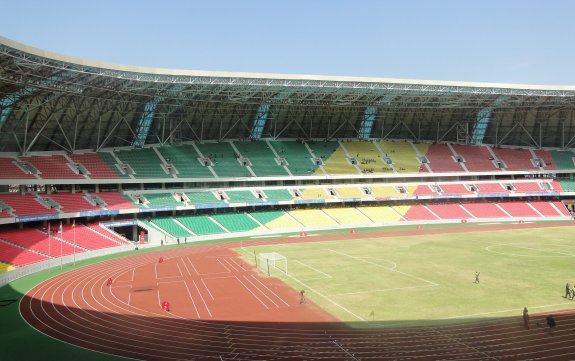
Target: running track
x,y
230,313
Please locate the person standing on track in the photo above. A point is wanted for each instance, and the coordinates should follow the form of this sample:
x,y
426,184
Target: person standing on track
x,y
526,318
568,291
302,297
476,277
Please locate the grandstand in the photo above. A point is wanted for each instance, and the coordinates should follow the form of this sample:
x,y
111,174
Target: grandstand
x,y
206,156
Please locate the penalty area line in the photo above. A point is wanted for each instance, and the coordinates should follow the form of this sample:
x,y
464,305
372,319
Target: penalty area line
x,y
313,268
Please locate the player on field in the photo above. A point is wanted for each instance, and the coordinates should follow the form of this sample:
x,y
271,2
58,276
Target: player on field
x,y
476,277
568,290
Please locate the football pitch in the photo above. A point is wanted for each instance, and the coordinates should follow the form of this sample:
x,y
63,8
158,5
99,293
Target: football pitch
x,y
429,278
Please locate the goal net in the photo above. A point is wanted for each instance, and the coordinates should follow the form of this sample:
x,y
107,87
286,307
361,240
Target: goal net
x,y
270,263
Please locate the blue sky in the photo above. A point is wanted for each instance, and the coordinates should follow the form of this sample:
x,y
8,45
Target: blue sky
x,y
515,41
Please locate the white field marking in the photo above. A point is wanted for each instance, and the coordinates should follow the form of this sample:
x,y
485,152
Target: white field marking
x,y
489,223
236,263
156,269
159,302
308,235
207,289
488,249
389,269
260,291
133,272
186,267
202,297
129,298
383,259
168,277
218,277
325,297
267,288
175,281
194,267
114,286
227,269
179,270
191,298
253,294
266,236
313,268
511,310
382,290
231,265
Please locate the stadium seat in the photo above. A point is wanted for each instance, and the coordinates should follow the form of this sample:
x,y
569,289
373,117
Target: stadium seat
x,y
275,220
347,215
312,217
441,159
477,157
380,214
262,159
236,222
185,159
200,225
97,167
334,158
299,159
224,160
144,162
11,171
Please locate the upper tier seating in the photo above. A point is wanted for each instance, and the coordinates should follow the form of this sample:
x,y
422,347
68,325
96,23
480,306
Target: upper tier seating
x,y
350,192
515,159
17,256
476,157
242,197
527,187
224,159
25,205
425,190
297,156
568,185
403,156
161,200
278,195
262,159
185,158
114,200
483,188
73,202
40,242
441,159
334,158
203,198
145,163
453,188
52,166
109,159
563,159
11,170
368,157
547,158
97,167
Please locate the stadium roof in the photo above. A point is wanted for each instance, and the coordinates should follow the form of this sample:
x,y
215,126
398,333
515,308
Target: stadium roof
x,y
55,102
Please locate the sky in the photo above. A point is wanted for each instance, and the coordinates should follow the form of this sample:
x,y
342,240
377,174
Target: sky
x,y
503,41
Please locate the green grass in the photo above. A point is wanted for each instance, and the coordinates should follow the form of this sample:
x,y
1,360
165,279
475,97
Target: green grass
x,y
428,279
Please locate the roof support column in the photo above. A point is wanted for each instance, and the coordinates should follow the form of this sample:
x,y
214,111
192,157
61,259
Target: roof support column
x,y
260,120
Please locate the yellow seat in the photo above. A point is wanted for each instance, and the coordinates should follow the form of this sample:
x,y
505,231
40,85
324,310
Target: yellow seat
x,y
380,213
312,217
347,216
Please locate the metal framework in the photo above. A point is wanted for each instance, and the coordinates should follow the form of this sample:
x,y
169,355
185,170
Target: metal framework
x,y
50,102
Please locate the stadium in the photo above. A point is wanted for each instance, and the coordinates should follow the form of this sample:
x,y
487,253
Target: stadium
x,y
157,214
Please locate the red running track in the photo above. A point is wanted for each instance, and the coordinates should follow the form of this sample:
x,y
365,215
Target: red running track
x,y
222,309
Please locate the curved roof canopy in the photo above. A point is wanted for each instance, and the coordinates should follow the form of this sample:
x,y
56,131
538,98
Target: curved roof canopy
x,y
54,102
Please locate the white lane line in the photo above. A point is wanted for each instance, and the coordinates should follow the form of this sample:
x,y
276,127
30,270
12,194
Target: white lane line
x,y
382,290
129,297
159,302
239,265
326,297
185,266
202,297
380,266
194,267
253,294
156,269
207,289
133,273
515,310
191,298
231,265
260,291
267,288
179,270
313,268
165,282
227,269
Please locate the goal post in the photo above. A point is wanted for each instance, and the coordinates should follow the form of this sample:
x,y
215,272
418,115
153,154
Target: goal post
x,y
272,262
